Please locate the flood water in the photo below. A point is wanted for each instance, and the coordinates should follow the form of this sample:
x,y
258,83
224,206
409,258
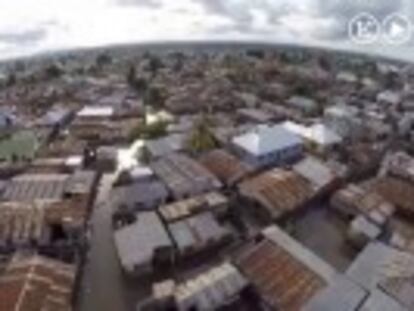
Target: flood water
x,y
104,287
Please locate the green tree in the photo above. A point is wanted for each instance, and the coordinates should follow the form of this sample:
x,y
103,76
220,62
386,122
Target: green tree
x,y
103,59
138,84
11,80
201,137
154,97
53,71
148,131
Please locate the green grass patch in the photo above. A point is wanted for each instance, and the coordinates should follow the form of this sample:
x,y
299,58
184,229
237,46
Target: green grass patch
x,y
18,146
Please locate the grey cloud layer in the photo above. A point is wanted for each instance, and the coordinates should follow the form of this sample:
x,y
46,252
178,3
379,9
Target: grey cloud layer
x,y
23,38
144,3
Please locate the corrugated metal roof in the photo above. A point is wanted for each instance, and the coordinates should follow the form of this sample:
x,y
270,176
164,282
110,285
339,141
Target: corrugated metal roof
x,y
315,171
285,273
197,232
210,290
136,243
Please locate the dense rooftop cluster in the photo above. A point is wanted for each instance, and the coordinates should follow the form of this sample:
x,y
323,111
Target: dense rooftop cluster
x,y
280,179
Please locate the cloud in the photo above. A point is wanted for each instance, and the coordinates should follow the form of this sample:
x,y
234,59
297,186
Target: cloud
x,y
28,37
143,3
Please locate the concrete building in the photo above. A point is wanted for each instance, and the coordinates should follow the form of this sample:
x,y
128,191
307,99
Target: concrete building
x,y
268,146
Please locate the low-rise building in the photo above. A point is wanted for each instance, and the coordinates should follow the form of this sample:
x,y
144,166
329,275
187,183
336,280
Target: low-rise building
x,y
198,233
306,105
215,288
37,283
324,138
398,192
183,176
226,167
400,165
139,195
268,146
278,191
321,176
382,268
166,145
142,243
354,200
389,97
213,201
285,273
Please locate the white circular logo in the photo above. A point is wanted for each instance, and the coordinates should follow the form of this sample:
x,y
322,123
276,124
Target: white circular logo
x,y
364,29
397,29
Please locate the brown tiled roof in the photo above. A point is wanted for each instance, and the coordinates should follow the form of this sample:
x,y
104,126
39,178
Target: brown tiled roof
x,y
278,190
225,166
283,281
36,283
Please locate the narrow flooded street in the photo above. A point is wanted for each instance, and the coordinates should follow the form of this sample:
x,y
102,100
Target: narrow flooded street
x,y
104,287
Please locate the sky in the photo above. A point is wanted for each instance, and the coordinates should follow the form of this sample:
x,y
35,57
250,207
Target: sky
x,y
29,27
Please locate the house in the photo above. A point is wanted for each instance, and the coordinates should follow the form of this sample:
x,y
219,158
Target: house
x,y
53,228
346,77
213,201
277,192
225,166
198,233
321,176
354,200
253,115
306,105
210,290
389,98
319,136
139,195
397,191
142,243
56,117
37,283
165,145
285,273
29,187
268,146
183,176
399,164
362,231
381,268
95,112
7,120
344,120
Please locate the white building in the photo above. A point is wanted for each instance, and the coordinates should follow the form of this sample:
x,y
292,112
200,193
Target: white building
x,y
96,112
318,134
268,145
